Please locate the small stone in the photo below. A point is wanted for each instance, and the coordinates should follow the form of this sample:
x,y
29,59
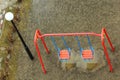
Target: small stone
x,y
8,56
6,3
1,59
10,8
1,22
1,16
2,48
3,12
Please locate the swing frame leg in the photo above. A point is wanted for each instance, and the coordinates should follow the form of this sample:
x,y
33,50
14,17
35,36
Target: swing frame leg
x,y
37,36
105,49
107,57
40,58
113,49
45,46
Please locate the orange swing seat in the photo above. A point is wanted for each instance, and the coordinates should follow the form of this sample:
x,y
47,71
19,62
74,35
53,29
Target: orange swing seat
x,y
87,54
64,55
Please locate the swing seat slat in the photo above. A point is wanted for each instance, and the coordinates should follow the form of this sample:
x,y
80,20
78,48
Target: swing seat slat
x,y
64,54
87,54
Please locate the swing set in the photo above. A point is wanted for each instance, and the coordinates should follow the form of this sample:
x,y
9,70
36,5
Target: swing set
x,y
65,54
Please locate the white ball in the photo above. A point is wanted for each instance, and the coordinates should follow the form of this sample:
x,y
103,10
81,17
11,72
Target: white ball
x,y
9,16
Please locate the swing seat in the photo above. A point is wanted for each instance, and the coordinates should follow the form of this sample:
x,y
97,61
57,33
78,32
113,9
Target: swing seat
x,y
64,55
87,54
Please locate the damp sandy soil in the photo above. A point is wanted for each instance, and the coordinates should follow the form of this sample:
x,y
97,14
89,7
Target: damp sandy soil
x,y
54,16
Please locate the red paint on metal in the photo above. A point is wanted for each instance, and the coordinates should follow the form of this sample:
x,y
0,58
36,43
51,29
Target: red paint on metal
x,y
87,54
105,49
64,54
70,34
109,40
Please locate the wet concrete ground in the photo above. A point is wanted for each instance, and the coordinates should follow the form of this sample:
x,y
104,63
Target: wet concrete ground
x,y
53,16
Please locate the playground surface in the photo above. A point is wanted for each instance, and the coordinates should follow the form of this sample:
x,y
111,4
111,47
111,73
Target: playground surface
x,y
56,16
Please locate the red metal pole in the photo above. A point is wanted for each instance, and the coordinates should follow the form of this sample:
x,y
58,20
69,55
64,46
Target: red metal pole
x,y
105,51
109,40
43,41
40,58
107,56
71,34
45,46
38,51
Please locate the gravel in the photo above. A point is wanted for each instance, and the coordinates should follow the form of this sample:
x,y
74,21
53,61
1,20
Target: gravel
x,y
53,16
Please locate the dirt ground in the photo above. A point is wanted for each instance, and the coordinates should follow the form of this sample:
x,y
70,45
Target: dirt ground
x,y
54,16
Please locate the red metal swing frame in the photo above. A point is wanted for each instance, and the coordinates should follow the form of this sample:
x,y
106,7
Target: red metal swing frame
x,y
40,36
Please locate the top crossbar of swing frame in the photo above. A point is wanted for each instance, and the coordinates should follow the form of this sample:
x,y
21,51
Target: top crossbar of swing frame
x,y
69,34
